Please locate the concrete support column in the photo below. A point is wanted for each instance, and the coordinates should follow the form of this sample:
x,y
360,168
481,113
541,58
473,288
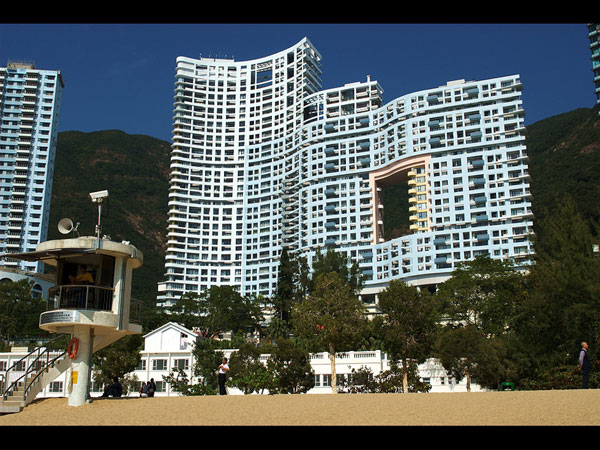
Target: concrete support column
x,y
81,366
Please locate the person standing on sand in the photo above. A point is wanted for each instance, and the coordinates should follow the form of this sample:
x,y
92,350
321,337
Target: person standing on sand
x,y
223,369
585,365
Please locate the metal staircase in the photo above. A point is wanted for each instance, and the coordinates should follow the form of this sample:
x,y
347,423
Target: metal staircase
x,y
26,378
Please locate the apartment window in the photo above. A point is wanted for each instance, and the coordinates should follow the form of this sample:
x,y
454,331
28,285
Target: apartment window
x,y
317,380
181,364
95,387
159,364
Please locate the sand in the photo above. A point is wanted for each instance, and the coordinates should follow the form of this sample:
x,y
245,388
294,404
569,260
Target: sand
x,y
511,408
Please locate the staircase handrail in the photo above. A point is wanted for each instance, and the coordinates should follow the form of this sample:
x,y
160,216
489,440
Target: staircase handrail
x,y
49,363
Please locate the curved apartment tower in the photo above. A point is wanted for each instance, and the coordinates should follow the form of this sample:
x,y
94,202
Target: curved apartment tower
x,y
264,159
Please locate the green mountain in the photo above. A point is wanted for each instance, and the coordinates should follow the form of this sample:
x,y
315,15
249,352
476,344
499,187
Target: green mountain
x,y
564,153
135,171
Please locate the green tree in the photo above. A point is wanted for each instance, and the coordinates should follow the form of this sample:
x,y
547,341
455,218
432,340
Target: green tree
x,y
465,352
218,310
19,310
246,370
117,359
179,381
225,309
207,358
390,381
153,317
336,262
290,369
186,310
398,380
562,307
483,292
408,324
561,377
331,319
277,329
481,301
292,277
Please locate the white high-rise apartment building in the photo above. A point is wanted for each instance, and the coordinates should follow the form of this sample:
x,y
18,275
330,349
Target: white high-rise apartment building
x,y
264,159
29,110
594,37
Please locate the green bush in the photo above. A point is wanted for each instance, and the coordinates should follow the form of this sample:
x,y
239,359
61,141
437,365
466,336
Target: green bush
x,y
562,377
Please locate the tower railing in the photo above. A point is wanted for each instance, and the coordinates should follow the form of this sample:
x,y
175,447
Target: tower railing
x,y
80,296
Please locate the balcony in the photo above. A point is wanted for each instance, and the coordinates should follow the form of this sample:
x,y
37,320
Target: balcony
x,y
80,297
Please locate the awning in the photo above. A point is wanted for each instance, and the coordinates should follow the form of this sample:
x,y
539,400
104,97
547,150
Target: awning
x,y
52,254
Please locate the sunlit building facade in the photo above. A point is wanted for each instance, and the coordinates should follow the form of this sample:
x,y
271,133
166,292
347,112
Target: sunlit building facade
x,y
264,159
29,109
594,36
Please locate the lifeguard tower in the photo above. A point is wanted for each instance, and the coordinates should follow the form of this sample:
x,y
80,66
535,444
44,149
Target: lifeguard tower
x,y
91,302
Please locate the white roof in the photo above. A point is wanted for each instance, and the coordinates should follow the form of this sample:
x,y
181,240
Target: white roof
x,y
174,325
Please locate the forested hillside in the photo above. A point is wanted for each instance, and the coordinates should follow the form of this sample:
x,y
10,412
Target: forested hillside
x,y
135,171
564,159
564,154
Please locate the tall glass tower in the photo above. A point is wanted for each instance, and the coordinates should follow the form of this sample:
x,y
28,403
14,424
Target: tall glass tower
x,y
264,159
29,110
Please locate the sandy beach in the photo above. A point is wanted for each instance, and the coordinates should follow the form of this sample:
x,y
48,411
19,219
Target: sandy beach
x,y
518,408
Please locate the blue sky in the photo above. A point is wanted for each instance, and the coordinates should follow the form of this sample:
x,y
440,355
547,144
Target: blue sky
x,y
121,76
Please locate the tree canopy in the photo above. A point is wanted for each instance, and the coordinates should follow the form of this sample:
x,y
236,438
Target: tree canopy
x,y
217,310
331,318
408,324
483,292
19,310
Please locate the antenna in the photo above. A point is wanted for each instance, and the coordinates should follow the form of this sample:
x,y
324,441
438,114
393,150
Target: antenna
x,y
99,197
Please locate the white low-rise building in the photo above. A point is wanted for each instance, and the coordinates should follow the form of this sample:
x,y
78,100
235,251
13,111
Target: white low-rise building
x,y
170,346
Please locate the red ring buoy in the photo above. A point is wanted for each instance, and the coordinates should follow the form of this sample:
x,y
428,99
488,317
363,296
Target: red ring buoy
x,y
73,347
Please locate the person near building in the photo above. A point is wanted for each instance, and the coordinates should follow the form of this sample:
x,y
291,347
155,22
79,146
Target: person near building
x,y
151,388
223,369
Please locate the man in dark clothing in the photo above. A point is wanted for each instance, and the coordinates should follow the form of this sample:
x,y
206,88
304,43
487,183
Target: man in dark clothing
x,y
585,364
151,387
115,389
